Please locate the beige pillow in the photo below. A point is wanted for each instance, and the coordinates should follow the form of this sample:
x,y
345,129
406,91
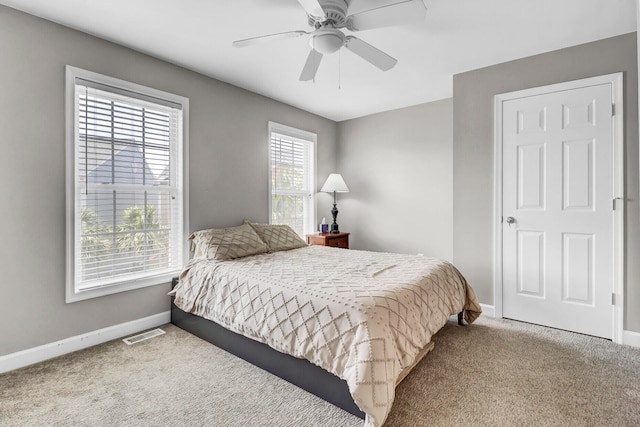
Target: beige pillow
x,y
227,243
278,237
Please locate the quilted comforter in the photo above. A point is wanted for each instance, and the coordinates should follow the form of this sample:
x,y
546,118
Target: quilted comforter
x,y
363,316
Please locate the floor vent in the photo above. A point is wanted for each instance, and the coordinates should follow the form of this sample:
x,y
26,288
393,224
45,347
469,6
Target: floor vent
x,y
143,336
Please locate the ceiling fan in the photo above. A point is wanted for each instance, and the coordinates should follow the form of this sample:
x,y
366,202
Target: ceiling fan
x,y
328,17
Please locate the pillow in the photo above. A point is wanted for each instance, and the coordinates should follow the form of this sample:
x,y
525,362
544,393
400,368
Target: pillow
x,y
278,237
227,243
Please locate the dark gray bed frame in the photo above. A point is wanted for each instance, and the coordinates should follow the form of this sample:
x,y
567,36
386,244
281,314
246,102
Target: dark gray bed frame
x,y
299,372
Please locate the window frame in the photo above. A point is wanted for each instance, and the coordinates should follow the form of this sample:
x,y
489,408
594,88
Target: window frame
x,y
303,135
73,75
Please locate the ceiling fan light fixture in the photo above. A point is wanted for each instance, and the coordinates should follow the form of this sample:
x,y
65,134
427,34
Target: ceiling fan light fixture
x,y
327,40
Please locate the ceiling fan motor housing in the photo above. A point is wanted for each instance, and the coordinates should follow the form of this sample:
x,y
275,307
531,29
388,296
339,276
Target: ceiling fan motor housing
x,y
336,11
335,14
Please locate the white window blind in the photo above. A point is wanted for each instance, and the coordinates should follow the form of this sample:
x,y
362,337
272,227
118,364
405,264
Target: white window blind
x,y
128,195
292,178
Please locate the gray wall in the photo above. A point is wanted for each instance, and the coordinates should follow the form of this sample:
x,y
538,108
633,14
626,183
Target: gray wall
x,y
398,166
473,141
228,170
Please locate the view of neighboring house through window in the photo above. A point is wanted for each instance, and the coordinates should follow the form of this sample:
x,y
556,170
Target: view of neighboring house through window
x,y
292,178
126,195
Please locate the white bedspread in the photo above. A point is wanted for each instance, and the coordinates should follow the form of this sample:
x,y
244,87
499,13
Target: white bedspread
x,y
362,316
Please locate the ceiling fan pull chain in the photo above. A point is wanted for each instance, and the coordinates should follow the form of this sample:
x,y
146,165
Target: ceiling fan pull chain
x,y
340,69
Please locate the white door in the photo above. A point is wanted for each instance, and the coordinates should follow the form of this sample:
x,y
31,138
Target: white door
x,y
557,209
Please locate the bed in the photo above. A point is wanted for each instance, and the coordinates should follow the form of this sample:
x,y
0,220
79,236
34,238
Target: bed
x,y
346,325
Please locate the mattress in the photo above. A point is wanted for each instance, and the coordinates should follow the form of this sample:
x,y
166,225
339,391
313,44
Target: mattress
x,y
363,316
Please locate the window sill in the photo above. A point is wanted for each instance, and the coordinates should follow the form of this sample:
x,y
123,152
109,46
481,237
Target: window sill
x,y
74,295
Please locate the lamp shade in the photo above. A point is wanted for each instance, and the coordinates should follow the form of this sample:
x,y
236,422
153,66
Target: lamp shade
x,y
335,183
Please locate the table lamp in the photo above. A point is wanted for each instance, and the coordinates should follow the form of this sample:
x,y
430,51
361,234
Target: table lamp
x,y
335,184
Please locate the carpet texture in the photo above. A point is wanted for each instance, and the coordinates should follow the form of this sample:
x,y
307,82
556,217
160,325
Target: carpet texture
x,y
494,373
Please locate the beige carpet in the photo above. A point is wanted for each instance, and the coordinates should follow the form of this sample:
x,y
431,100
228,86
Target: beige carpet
x,y
493,373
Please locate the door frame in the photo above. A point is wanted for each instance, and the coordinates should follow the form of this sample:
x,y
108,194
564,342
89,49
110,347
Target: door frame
x,y
616,81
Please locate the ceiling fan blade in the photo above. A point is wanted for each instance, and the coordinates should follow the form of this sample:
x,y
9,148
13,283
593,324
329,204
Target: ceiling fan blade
x,y
268,38
312,7
369,53
401,13
311,66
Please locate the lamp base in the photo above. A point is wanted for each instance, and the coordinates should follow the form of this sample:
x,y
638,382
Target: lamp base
x,y
334,213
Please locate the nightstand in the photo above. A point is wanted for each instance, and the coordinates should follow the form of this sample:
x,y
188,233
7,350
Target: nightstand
x,y
336,240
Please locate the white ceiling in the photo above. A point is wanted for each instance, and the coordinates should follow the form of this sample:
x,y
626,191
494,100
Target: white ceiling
x,y
457,36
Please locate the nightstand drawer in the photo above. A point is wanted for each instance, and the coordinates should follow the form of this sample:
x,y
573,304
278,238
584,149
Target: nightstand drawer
x,y
342,242
335,240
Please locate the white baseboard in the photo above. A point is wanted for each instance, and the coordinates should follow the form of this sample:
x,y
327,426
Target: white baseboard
x,y
44,352
631,338
488,310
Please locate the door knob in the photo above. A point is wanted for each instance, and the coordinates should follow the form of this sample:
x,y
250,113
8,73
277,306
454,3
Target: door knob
x,y
510,220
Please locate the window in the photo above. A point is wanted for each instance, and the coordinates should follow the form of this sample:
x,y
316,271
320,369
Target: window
x,y
292,171
126,192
